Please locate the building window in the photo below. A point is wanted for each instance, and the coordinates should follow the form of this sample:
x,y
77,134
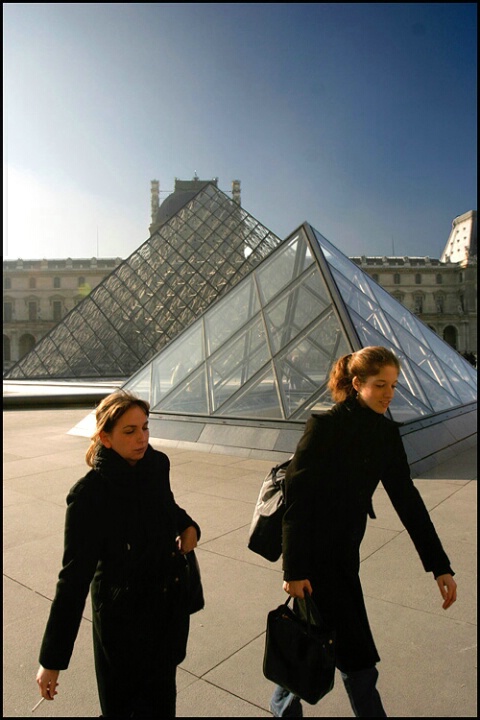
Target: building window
x,y
7,354
450,336
396,279
32,283
32,311
57,282
439,303
418,304
375,277
25,344
57,310
7,312
81,281
418,279
439,279
7,283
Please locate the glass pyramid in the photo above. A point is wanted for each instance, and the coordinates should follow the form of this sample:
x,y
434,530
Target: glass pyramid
x,y
191,259
265,350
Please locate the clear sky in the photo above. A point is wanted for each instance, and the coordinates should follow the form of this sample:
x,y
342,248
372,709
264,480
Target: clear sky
x,y
359,118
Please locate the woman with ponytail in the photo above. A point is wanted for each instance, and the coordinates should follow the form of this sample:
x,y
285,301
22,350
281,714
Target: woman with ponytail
x,y
343,455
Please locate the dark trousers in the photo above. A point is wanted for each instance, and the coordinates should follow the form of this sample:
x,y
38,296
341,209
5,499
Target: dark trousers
x,y
137,699
361,689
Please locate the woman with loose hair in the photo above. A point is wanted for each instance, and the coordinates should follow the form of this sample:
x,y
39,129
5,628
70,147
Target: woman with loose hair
x,y
338,463
125,539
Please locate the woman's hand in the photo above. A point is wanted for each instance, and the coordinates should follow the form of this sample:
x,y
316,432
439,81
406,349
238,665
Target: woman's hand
x,y
296,588
187,541
47,682
448,589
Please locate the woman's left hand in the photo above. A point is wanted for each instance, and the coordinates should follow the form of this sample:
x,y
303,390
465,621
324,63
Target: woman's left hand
x,y
188,539
448,588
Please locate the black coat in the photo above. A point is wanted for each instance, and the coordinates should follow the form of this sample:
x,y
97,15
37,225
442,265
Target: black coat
x,y
120,531
339,461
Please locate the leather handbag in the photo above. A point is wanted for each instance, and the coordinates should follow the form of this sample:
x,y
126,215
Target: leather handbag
x,y
300,650
195,598
265,534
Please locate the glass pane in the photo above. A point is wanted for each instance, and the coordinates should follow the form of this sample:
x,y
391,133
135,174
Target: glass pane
x,y
223,320
293,312
177,362
189,397
259,399
232,367
405,406
345,267
363,305
320,403
283,267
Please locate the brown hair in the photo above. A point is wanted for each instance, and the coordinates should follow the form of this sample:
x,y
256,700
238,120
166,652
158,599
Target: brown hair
x,y
361,364
108,413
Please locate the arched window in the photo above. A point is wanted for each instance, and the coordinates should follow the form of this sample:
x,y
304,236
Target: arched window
x,y
7,353
32,310
25,344
418,304
57,310
7,311
450,336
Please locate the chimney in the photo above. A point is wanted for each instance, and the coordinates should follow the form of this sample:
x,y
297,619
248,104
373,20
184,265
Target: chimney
x,y
236,191
155,199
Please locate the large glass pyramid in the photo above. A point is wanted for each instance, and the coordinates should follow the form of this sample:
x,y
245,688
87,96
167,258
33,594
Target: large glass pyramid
x,y
264,351
191,259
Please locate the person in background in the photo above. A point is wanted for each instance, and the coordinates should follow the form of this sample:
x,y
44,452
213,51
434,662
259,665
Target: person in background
x,y
339,461
126,537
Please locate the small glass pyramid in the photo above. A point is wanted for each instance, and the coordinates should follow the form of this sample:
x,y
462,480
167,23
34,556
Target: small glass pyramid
x,y
265,349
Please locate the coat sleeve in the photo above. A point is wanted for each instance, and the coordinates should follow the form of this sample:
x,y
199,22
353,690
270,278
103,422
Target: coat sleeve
x,y
80,557
411,510
303,483
182,518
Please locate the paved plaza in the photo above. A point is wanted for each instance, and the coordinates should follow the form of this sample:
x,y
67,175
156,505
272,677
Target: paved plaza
x,y
428,666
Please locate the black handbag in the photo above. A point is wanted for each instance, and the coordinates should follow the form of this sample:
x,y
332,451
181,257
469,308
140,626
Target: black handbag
x,y
300,650
195,598
265,534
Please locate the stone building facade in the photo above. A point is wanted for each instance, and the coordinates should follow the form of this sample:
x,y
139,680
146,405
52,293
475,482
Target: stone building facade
x,y
37,294
442,293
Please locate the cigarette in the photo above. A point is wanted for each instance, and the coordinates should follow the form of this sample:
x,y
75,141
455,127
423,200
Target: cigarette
x,y
39,703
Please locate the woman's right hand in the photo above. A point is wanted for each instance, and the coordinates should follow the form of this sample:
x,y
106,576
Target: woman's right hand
x,y
296,588
47,682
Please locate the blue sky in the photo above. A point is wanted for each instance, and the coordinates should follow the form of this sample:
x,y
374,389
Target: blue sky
x,y
359,118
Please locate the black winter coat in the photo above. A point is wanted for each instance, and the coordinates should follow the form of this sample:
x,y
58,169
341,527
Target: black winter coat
x,y
338,463
120,531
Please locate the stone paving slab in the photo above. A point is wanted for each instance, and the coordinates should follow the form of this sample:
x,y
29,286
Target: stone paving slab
x,y
428,666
